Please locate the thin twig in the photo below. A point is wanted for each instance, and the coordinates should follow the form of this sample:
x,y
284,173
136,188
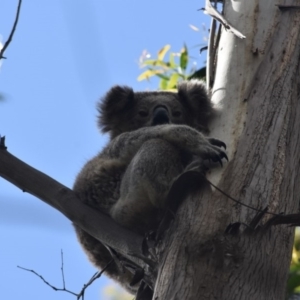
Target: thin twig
x,y
45,281
62,268
239,202
12,31
94,277
85,286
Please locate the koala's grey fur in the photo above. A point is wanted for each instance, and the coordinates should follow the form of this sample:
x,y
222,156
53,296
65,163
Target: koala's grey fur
x,y
154,137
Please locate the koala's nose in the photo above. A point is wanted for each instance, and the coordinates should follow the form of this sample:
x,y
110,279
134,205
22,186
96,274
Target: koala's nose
x,y
160,116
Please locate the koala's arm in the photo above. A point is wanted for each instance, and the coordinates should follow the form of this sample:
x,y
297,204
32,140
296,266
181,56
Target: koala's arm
x,y
126,145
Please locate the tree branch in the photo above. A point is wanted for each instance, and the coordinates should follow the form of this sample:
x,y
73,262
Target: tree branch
x,y
63,199
12,31
79,295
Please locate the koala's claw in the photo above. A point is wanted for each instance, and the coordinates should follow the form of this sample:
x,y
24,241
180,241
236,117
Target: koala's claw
x,y
218,158
224,155
216,154
218,143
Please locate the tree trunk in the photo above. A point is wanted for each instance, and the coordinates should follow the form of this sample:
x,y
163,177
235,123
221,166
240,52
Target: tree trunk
x,y
257,85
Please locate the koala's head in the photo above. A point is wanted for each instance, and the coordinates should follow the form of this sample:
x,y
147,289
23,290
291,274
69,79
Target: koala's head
x,y
123,110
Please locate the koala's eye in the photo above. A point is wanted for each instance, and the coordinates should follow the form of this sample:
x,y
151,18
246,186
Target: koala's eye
x,y
143,113
177,114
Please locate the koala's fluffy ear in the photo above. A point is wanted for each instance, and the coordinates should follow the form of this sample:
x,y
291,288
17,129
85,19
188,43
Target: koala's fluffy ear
x,y
193,95
113,109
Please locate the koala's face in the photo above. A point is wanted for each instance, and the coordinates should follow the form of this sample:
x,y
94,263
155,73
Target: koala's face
x,y
124,110
158,108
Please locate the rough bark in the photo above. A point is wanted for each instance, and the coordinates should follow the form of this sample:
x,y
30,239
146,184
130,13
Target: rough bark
x,y
257,85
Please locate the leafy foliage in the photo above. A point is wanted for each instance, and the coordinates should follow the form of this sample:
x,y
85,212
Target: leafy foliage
x,y
293,284
170,70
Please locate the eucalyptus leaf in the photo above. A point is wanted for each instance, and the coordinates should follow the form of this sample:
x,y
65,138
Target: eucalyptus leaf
x,y
172,83
149,73
163,83
155,62
162,52
184,58
173,65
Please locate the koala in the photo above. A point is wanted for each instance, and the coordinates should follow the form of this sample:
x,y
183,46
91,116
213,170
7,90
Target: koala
x,y
154,137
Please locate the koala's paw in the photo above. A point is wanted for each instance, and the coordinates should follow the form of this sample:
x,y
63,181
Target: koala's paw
x,y
213,151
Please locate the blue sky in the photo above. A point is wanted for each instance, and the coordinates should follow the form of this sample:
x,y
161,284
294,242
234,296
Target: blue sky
x,y
64,56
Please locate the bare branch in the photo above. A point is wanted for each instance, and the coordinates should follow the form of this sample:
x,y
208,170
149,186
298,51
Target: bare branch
x,y
94,277
12,31
46,282
62,268
286,7
64,289
100,226
291,219
238,201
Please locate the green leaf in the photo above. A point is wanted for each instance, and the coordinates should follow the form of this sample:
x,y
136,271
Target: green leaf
x,y
162,52
184,59
149,62
149,73
173,81
173,65
165,77
293,281
163,83
154,63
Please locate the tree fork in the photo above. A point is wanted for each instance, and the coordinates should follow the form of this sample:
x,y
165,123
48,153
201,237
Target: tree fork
x,y
64,200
